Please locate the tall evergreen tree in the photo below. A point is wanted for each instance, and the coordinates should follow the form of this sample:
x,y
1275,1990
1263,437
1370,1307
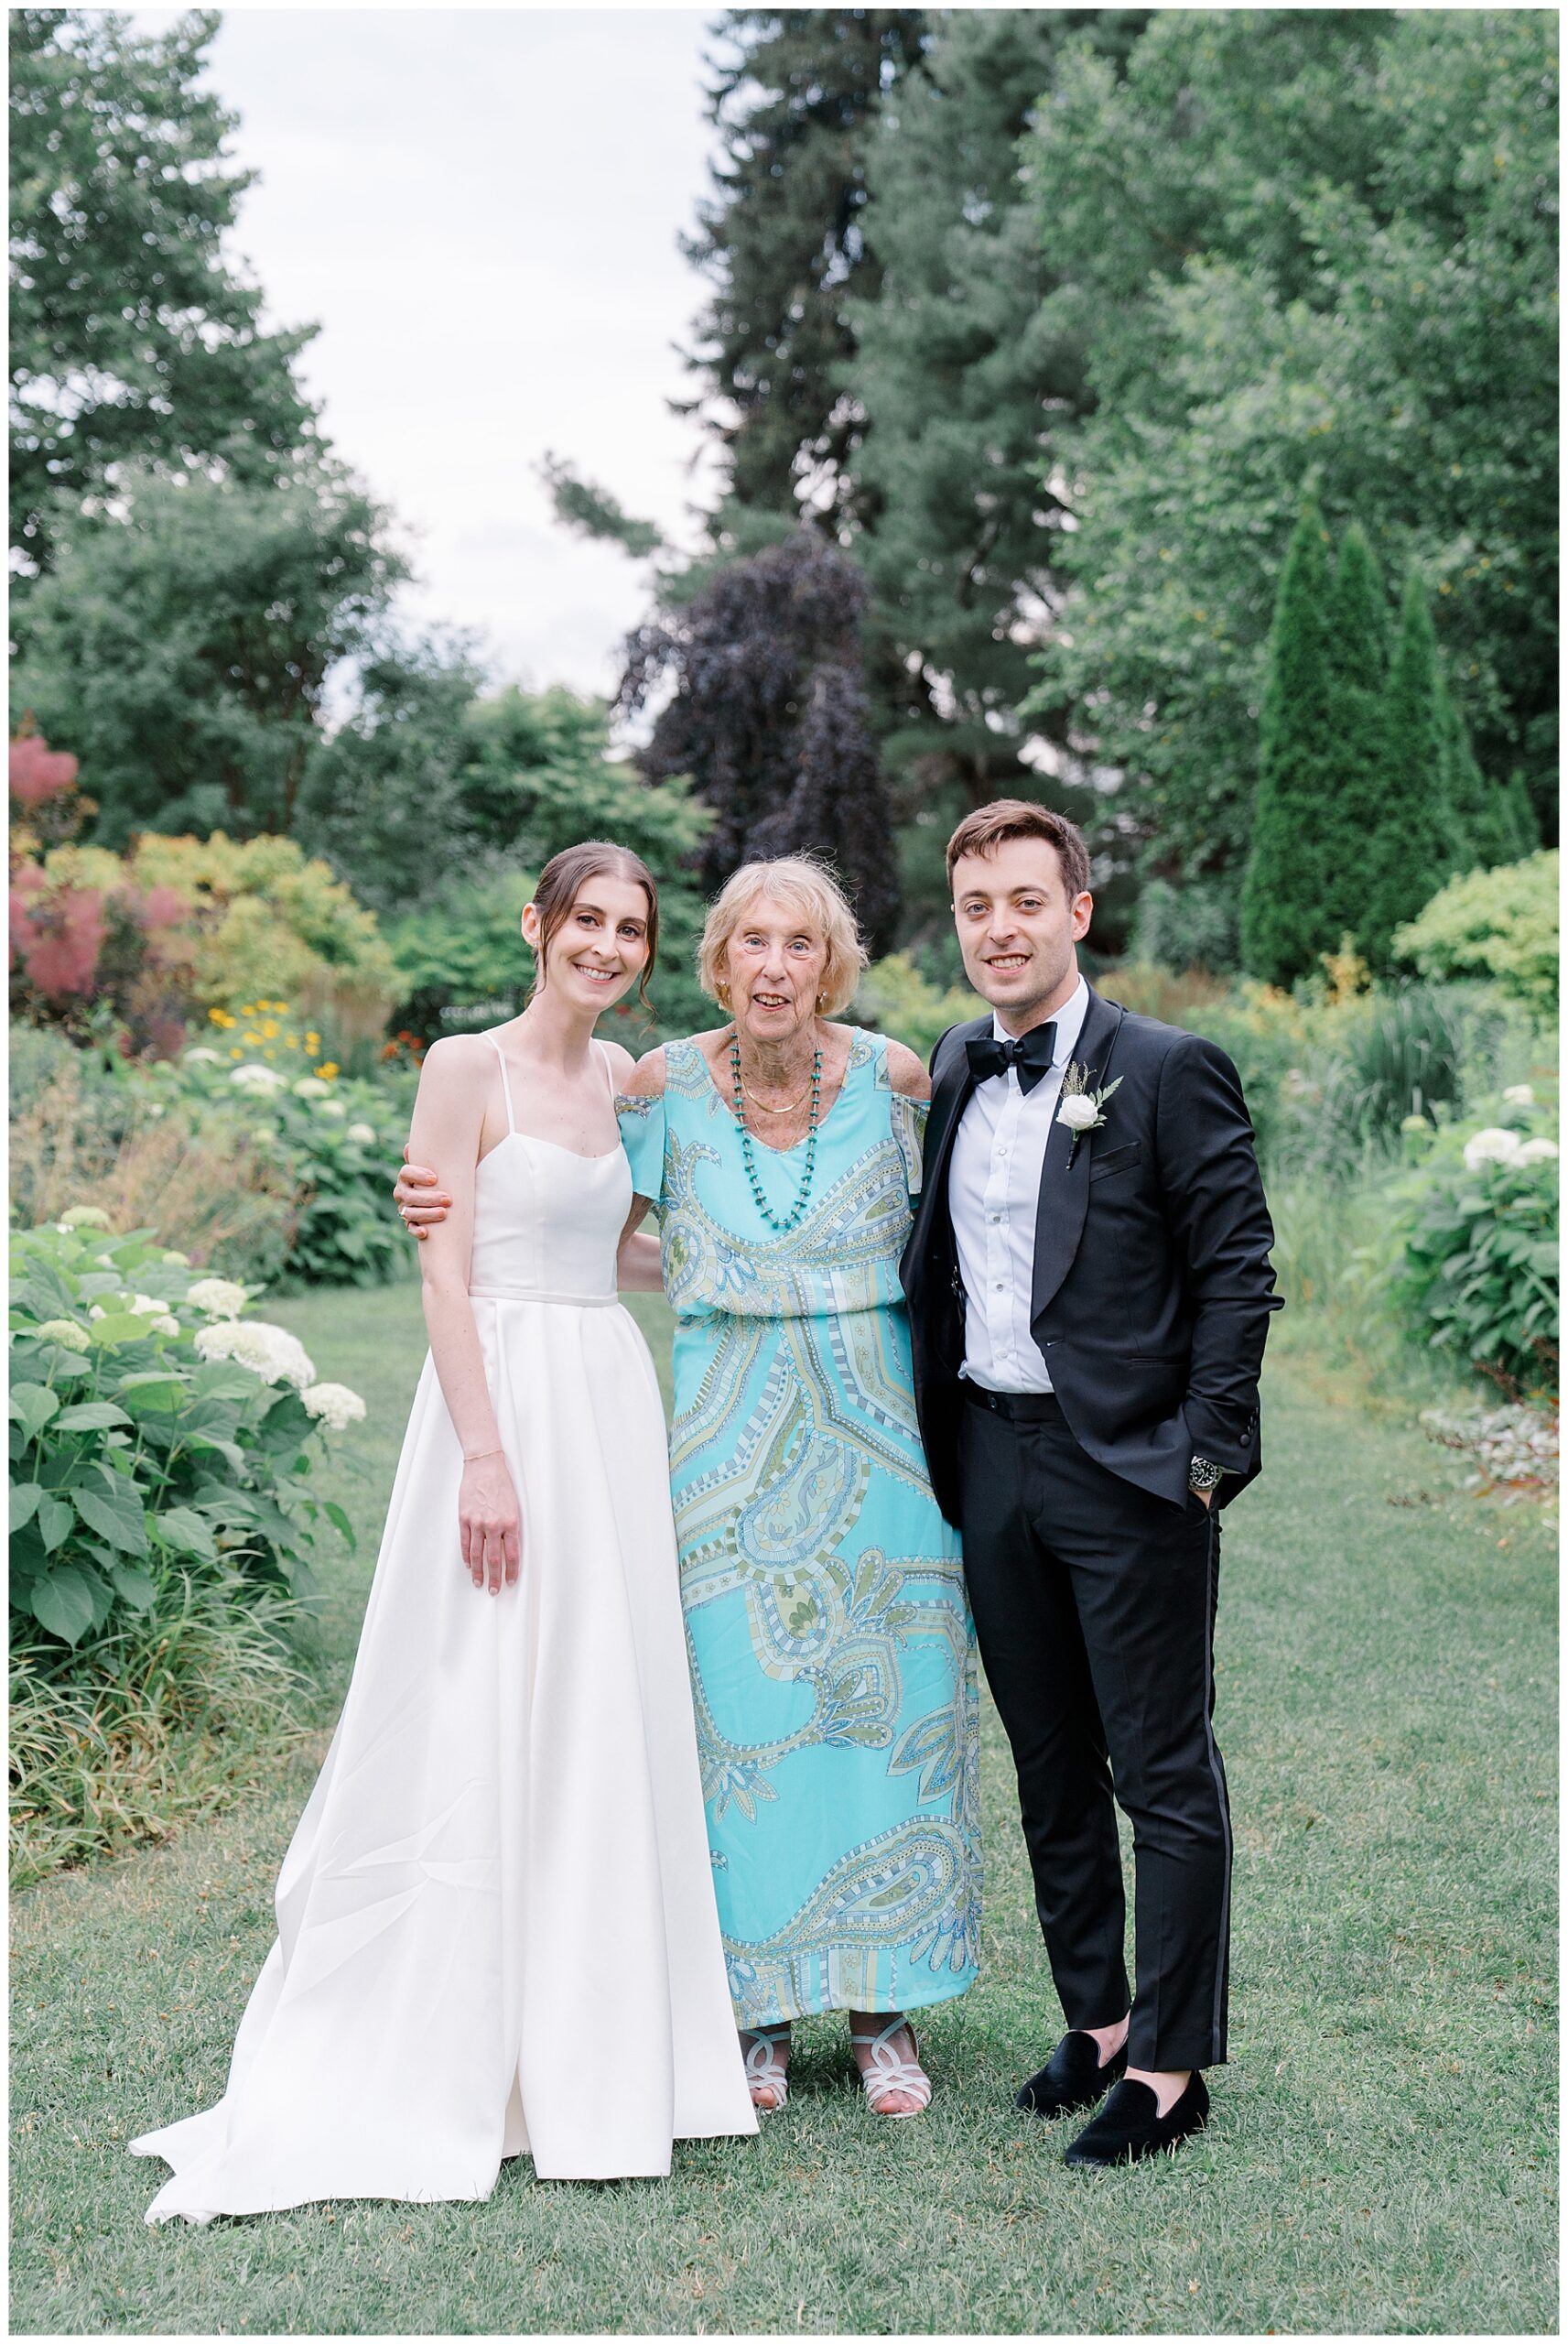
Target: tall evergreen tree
x,y
767,717
1357,642
1287,871
1412,849
782,239
132,333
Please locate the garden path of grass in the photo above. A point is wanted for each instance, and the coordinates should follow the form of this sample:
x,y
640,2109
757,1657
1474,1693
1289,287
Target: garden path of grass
x,y
1381,2156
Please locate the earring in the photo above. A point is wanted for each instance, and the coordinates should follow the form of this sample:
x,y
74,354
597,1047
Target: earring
x,y
821,999
722,989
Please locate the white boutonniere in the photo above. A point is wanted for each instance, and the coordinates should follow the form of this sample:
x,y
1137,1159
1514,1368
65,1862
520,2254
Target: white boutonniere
x,y
1080,1107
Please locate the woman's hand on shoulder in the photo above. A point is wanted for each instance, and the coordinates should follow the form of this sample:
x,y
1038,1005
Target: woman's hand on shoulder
x,y
645,1080
906,1073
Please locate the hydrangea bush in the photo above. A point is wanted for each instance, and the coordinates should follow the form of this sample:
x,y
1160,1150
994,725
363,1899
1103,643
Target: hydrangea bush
x,y
1478,1220
157,1435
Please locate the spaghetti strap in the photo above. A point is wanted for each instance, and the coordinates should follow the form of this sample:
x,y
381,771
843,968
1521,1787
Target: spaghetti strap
x,y
609,1069
505,1086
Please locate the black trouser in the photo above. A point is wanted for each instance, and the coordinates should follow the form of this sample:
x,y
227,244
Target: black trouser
x,y
1094,1603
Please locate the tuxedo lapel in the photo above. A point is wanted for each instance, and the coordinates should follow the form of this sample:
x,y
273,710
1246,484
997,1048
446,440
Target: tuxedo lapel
x,y
1064,1188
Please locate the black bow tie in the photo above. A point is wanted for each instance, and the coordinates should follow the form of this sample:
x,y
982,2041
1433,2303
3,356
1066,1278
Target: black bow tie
x,y
1032,1056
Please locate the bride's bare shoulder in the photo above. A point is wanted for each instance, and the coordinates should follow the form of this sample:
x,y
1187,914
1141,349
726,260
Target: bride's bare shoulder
x,y
455,1061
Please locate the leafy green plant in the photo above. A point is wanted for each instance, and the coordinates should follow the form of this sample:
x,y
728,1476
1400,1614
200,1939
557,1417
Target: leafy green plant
x,y
1501,924
1478,1277
895,998
150,1450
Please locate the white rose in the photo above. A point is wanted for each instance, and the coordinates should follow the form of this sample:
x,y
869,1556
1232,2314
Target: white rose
x,y
219,1298
1493,1146
334,1404
1519,1094
363,1133
1078,1113
271,1352
1538,1151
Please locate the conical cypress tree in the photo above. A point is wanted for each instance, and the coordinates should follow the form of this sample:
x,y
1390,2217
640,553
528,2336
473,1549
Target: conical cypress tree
x,y
1282,892
1410,852
1473,828
1358,636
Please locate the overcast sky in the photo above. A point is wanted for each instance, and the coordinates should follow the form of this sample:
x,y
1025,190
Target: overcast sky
x,y
481,209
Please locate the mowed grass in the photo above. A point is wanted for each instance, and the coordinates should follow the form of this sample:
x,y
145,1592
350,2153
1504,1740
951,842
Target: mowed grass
x,y
1381,2156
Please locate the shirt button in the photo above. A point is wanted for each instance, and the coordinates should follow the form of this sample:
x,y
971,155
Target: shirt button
x,y
1001,1286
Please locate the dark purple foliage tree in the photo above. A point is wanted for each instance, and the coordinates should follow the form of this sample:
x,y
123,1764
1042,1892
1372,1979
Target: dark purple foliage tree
x,y
769,717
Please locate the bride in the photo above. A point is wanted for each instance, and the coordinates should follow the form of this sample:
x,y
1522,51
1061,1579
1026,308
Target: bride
x,y
497,1933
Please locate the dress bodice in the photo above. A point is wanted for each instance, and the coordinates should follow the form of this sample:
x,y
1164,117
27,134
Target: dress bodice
x,y
719,1252
547,1221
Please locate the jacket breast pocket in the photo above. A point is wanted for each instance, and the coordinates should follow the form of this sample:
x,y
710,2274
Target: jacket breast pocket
x,y
1118,1159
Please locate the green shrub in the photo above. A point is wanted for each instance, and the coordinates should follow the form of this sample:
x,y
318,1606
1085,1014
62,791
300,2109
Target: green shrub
x,y
1478,1276
1501,924
895,998
334,1143
150,1450
80,1128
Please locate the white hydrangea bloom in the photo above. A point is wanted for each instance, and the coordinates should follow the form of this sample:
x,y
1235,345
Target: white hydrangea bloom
x,y
254,1076
64,1331
271,1352
334,1404
148,1305
1519,1094
331,1107
165,1325
310,1086
1538,1151
219,1298
177,1261
201,1056
84,1217
1493,1146
363,1133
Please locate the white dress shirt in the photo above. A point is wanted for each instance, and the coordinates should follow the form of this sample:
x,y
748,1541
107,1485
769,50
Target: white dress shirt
x,y
993,1194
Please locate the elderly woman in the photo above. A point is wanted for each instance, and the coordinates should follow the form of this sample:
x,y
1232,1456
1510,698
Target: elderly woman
x,y
830,1644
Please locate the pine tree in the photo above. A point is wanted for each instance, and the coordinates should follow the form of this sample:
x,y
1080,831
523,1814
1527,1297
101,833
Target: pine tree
x,y
1522,833
1410,851
1283,891
781,238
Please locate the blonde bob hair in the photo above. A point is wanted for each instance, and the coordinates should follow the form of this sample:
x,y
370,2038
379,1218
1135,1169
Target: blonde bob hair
x,y
815,896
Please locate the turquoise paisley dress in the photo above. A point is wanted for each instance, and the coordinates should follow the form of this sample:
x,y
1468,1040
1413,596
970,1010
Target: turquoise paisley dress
x,y
831,1648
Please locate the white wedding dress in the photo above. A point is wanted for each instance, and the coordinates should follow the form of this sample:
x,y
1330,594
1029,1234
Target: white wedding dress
x,y
497,1933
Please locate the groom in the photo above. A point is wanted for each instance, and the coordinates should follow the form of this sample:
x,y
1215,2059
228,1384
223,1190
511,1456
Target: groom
x,y
1089,1292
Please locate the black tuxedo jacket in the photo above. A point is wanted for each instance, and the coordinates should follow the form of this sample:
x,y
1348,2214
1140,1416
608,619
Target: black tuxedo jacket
x,y
1152,1284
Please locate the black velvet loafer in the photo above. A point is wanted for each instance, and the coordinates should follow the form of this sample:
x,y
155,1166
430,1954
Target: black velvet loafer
x,y
1130,2125
1072,2077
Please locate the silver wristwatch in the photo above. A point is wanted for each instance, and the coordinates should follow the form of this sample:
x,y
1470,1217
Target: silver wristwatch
x,y
1203,1475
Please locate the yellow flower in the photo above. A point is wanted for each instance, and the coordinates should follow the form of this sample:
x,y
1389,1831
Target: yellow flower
x,y
291,1041
269,1030
220,1018
236,1054
326,1070
247,1009
312,1044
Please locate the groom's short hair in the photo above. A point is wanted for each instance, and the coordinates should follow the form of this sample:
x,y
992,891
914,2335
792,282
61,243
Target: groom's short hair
x,y
983,831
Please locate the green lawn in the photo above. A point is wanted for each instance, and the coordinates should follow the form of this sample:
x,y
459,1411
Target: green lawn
x,y
1381,2155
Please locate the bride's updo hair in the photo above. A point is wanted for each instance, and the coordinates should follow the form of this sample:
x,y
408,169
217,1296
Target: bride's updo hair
x,y
804,887
562,881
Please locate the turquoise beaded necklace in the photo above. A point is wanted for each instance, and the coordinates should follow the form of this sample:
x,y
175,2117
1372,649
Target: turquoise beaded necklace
x,y
792,1218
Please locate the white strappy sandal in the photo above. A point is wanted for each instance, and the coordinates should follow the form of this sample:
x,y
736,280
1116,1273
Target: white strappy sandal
x,y
764,2070
890,2072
